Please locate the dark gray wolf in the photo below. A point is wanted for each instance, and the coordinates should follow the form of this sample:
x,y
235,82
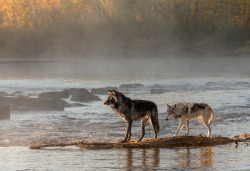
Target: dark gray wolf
x,y
186,111
133,110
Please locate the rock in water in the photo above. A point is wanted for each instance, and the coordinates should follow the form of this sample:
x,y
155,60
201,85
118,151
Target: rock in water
x,y
4,112
23,103
84,95
54,95
158,91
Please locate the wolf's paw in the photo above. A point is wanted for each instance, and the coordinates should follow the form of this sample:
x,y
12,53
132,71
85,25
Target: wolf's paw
x,y
134,141
172,136
123,141
200,135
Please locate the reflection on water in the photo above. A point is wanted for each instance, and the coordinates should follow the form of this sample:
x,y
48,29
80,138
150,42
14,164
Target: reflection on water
x,y
74,158
148,157
185,157
204,155
180,158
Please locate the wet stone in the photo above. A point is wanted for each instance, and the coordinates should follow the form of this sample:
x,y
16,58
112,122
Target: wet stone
x,y
4,112
158,91
84,95
61,94
2,93
23,103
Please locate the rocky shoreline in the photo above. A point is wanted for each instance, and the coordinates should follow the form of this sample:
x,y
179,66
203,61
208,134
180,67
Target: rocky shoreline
x,y
47,101
58,100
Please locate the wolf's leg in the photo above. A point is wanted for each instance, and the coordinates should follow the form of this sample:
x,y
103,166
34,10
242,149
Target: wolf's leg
x,y
209,130
187,127
143,124
206,124
129,135
208,127
182,122
209,118
154,126
128,132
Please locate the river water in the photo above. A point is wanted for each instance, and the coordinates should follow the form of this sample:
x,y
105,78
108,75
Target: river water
x,y
228,96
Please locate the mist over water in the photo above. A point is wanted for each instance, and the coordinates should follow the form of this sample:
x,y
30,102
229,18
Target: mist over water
x,y
127,68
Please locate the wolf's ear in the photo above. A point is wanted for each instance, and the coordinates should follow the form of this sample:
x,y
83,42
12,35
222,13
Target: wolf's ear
x,y
114,92
109,91
168,105
175,106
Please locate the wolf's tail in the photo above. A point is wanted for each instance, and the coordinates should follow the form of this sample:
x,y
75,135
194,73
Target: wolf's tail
x,y
154,120
211,116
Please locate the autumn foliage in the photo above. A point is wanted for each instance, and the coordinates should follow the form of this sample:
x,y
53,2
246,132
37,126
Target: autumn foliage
x,y
80,28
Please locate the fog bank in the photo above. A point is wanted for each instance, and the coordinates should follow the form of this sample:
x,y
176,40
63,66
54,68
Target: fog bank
x,y
129,68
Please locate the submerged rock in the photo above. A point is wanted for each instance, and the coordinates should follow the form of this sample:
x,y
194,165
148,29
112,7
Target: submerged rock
x,y
16,93
5,112
158,91
33,104
66,93
2,93
71,91
157,86
84,95
60,94
102,91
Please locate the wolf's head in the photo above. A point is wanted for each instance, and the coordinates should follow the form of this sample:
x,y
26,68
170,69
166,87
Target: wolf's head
x,y
112,98
171,112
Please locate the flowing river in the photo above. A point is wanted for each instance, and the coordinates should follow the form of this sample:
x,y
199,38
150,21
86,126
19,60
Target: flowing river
x,y
229,97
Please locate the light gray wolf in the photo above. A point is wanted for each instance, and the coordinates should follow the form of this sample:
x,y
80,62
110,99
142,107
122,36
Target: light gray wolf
x,y
133,110
186,111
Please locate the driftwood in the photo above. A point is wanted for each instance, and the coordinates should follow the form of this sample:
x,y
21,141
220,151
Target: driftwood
x,y
242,138
168,142
51,145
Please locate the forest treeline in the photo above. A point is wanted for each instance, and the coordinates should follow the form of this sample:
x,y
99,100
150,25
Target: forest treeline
x,y
81,28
